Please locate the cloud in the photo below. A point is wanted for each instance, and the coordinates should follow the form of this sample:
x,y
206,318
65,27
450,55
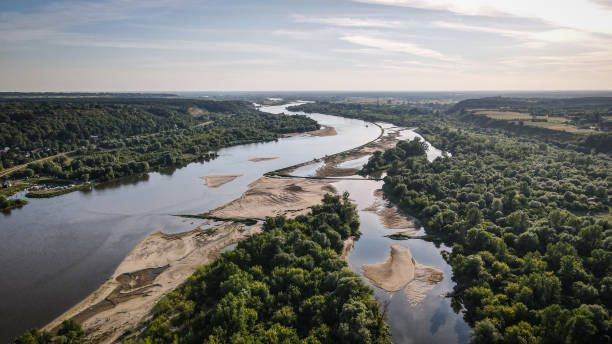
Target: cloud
x,y
349,22
396,46
548,36
53,19
582,15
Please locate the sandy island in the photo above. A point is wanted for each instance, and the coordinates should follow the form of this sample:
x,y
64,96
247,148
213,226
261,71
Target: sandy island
x,y
395,272
400,270
324,131
262,159
274,196
156,266
216,181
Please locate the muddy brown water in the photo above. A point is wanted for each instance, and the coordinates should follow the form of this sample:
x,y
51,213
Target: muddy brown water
x,y
54,252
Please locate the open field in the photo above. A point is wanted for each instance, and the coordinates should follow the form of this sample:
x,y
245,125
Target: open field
x,y
547,122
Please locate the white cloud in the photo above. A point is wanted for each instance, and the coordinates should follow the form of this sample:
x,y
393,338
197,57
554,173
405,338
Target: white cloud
x,y
582,15
549,36
396,46
349,22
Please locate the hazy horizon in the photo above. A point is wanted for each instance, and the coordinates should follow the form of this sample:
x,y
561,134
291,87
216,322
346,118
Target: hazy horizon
x,y
272,46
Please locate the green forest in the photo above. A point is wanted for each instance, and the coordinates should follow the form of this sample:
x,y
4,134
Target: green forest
x,y
131,136
529,222
286,285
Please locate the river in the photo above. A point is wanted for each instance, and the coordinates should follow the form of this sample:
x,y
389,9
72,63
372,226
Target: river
x,y
54,252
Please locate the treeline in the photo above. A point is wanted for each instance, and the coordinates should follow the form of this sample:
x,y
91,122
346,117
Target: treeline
x,y
532,254
133,139
7,204
408,115
585,112
37,128
285,285
69,332
529,223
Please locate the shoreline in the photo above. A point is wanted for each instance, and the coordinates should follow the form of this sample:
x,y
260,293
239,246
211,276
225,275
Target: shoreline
x,y
121,302
176,256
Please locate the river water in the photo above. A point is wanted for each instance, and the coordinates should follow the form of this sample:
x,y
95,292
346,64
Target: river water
x,y
54,252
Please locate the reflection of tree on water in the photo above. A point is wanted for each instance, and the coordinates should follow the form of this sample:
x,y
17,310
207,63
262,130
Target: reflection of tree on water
x,y
113,184
438,319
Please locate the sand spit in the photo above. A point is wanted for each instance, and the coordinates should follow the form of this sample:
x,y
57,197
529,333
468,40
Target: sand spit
x,y
156,266
216,181
274,196
262,159
395,272
387,140
324,131
400,270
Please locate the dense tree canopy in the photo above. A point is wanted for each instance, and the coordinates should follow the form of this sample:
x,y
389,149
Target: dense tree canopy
x,y
106,140
286,285
529,221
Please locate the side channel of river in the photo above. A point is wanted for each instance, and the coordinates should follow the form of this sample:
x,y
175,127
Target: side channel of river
x,y
431,320
54,252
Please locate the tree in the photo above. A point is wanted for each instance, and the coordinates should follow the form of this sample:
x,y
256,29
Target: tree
x,y
485,332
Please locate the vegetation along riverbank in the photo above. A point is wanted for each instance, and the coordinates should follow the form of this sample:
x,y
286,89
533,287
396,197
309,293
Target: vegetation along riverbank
x,y
528,217
95,140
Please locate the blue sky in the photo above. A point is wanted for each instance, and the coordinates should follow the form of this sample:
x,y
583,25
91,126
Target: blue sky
x,y
180,45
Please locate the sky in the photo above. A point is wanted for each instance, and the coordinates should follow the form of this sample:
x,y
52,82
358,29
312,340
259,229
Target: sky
x,y
241,45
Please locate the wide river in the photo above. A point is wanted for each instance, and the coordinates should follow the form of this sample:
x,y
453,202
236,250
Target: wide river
x,y
54,252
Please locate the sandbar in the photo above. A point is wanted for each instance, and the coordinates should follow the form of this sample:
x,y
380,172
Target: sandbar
x,y
216,181
262,159
276,196
400,270
156,266
395,272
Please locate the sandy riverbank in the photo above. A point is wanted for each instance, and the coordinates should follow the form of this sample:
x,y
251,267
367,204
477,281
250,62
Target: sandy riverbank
x,y
274,196
400,270
156,266
216,181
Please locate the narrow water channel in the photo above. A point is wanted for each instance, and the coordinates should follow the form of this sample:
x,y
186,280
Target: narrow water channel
x,y
54,252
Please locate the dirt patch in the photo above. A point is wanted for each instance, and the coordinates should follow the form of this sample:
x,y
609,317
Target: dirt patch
x,y
156,266
196,111
274,196
216,181
262,159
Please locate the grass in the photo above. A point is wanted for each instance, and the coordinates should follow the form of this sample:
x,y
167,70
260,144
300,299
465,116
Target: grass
x,y
56,192
552,123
